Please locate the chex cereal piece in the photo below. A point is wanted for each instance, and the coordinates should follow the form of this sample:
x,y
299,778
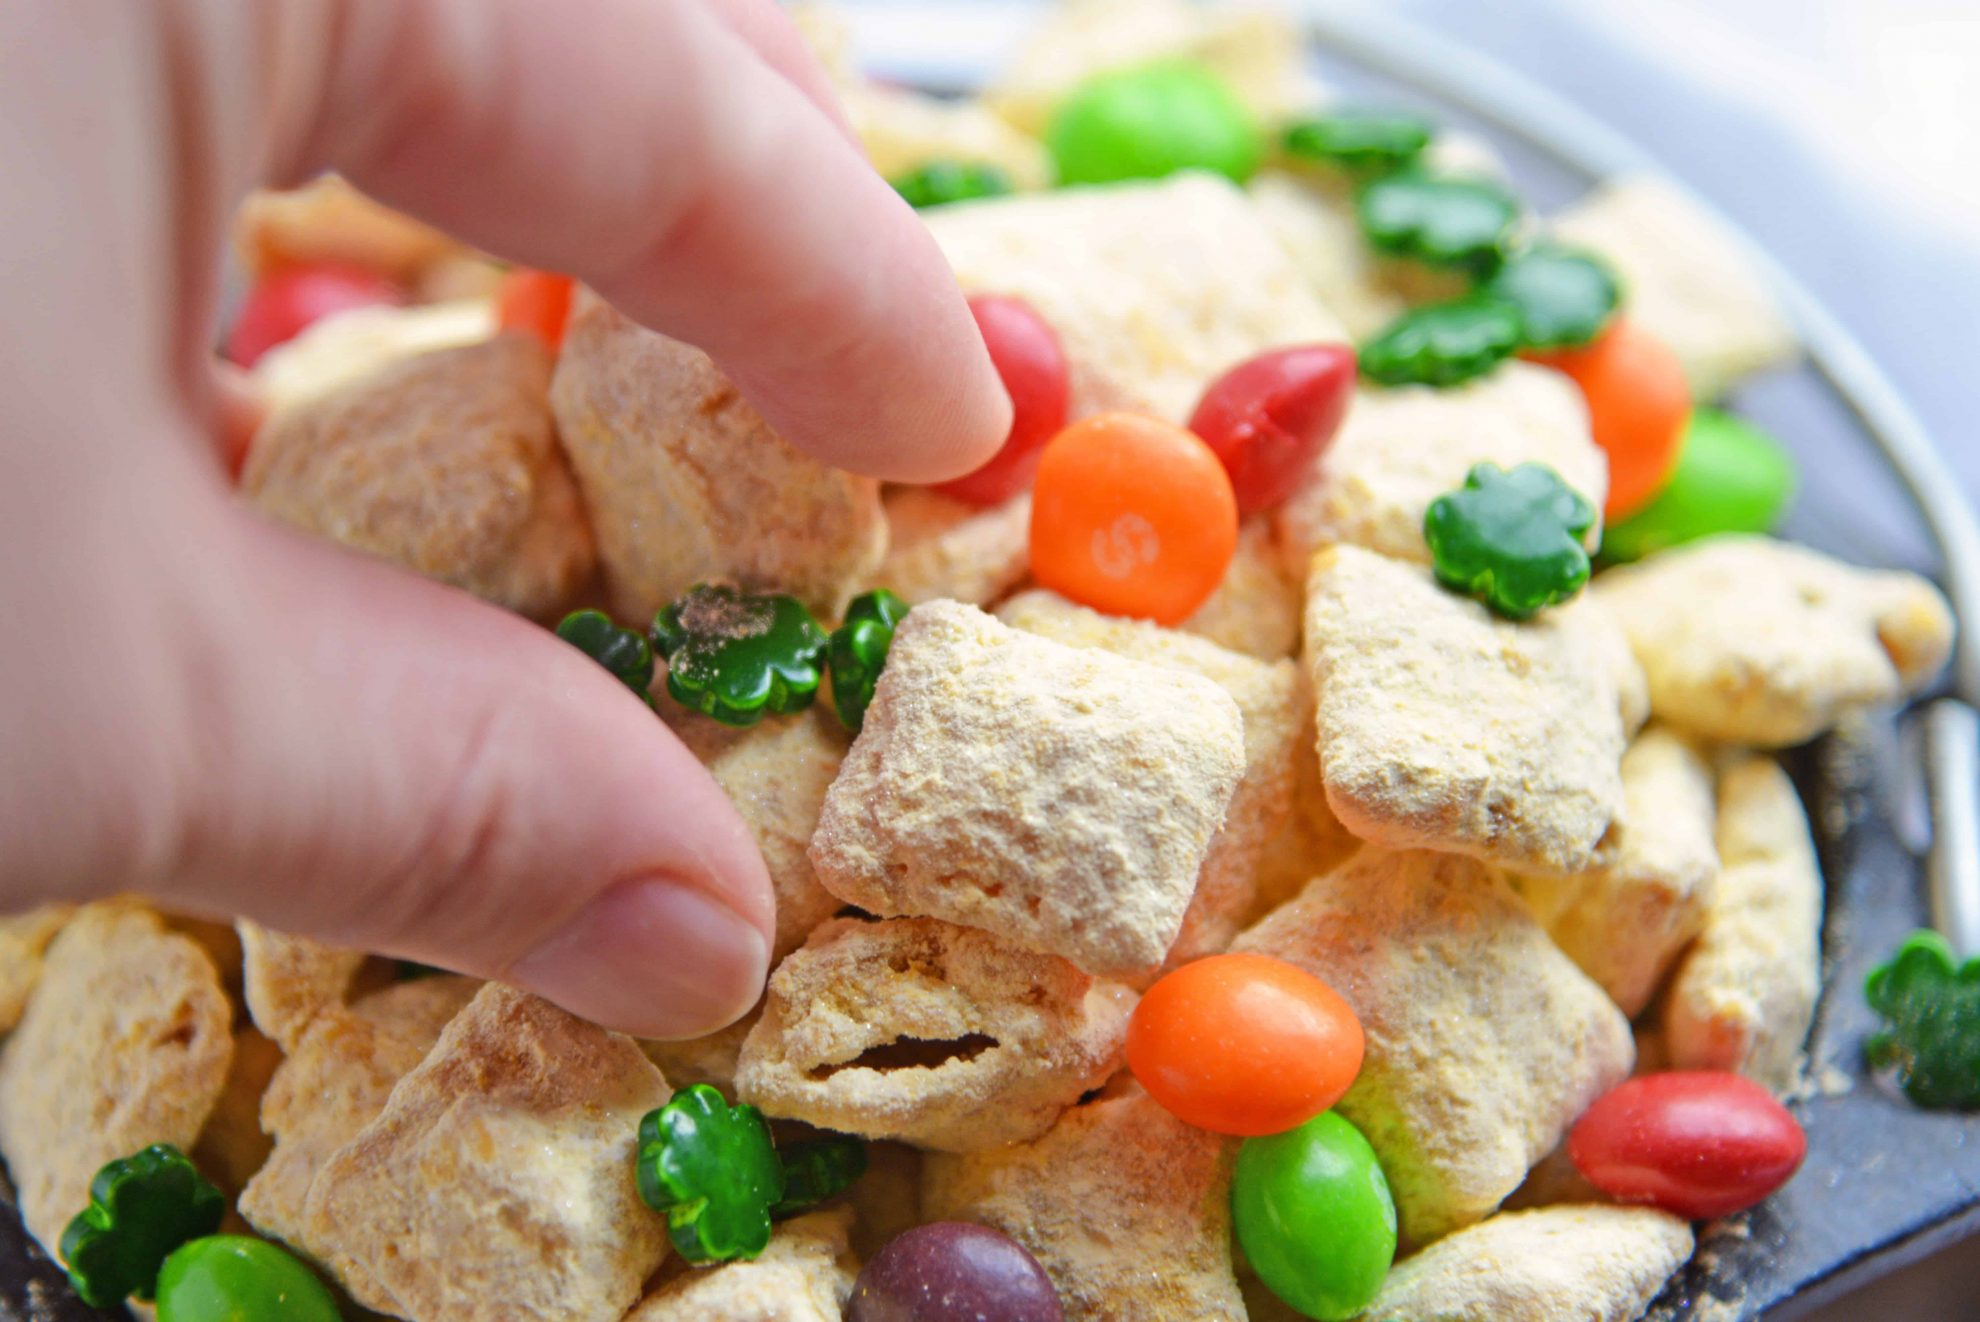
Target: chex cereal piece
x,y
1625,921
1484,1042
1317,227
1270,700
1594,1263
686,483
710,1058
333,1083
327,220
1684,279
1314,841
1060,797
1442,726
446,463
938,546
24,937
231,1146
903,130
1154,289
288,980
1255,610
941,1036
125,1042
1743,998
1402,448
497,1183
806,1275
1126,1207
347,347
1763,643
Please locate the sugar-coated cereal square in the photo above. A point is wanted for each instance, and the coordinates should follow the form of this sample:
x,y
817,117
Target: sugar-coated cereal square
x,y
231,1146
1255,610
350,346
288,980
938,546
805,1275
24,938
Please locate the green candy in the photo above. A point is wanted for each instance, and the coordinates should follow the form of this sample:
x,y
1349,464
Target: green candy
x,y
1313,1213
624,652
1564,296
711,1168
939,183
1730,477
1931,1011
141,1208
232,1278
817,1169
1511,539
734,656
1361,139
1151,121
858,652
1443,344
1439,220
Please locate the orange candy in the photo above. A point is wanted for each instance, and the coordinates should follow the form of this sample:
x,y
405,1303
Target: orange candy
x,y
1638,405
1132,516
1244,1044
535,301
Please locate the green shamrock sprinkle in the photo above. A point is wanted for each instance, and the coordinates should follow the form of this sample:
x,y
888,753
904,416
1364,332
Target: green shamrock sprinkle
x,y
939,183
1443,344
1362,139
1511,539
1439,220
711,1169
858,652
1564,296
1931,1010
624,652
734,656
141,1208
817,1169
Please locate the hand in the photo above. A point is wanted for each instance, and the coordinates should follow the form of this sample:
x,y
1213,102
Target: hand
x,y
219,713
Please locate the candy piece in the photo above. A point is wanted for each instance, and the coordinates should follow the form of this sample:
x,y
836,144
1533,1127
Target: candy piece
x,y
953,1269
535,303
938,546
857,652
734,656
1032,367
1244,1044
1731,477
1133,517
1511,539
625,653
806,1275
711,1169
1443,344
1697,1144
1565,296
1439,220
1638,408
1269,417
1314,1216
284,303
1150,122
939,183
1931,1012
1364,139
233,1278
817,1169
141,1207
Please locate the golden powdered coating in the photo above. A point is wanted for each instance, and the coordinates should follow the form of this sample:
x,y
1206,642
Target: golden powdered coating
x,y
1625,921
1752,641
497,1183
1743,998
1443,726
937,1035
126,1042
1590,1263
938,546
709,1059
1688,281
1316,224
1126,1207
23,939
1154,289
1060,797
288,980
232,1146
1255,610
1270,700
327,220
805,1275
446,463
347,347
903,130
1403,447
1484,1042
686,483
1314,841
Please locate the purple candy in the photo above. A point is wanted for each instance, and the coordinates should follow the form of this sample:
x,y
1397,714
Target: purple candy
x,y
953,1271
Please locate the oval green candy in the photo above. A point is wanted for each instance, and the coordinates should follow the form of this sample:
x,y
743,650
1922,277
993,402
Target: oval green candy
x,y
1313,1213
232,1278
1151,121
1730,477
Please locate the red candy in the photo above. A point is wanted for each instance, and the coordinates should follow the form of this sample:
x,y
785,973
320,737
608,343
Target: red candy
x,y
1270,416
536,302
1699,1144
283,303
1033,367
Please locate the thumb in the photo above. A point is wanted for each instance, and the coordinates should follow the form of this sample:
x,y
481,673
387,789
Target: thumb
x,y
400,768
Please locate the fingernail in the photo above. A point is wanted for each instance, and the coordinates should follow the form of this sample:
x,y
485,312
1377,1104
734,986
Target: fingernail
x,y
655,958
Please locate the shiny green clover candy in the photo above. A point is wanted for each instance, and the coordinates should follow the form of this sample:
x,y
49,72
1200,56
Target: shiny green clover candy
x,y
1730,477
1440,220
858,652
1313,1212
1931,1011
1365,140
938,183
624,652
818,1168
1565,296
734,655
1511,539
1443,344
711,1168
141,1207
1150,121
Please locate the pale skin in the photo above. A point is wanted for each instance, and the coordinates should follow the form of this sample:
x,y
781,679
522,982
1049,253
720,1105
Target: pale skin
x,y
205,708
